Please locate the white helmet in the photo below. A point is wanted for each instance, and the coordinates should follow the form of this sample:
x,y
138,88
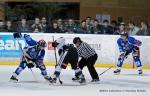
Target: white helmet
x,y
61,42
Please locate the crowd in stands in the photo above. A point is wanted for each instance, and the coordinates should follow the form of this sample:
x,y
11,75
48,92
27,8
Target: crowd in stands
x,y
86,26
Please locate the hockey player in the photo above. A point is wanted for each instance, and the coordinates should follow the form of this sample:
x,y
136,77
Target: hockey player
x,y
68,54
32,55
126,46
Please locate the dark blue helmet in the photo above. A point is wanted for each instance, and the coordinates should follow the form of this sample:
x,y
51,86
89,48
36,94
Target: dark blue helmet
x,y
42,43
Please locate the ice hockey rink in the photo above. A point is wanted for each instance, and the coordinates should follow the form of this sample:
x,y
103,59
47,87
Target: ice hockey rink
x,y
128,83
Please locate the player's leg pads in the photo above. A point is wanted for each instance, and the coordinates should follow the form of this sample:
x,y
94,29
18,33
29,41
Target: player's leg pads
x,y
21,67
120,61
137,61
43,70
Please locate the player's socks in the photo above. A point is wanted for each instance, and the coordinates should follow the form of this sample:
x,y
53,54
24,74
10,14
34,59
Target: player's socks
x,y
140,70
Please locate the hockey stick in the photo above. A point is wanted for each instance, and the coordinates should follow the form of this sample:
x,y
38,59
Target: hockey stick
x,y
56,61
106,70
26,59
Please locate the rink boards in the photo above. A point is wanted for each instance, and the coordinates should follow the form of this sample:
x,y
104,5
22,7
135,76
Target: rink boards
x,y
105,45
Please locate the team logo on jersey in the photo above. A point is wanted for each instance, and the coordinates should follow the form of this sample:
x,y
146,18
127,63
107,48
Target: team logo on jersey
x,y
32,49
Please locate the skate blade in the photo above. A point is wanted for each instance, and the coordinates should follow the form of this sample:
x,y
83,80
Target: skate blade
x,y
116,73
52,83
13,81
75,80
98,82
140,73
83,83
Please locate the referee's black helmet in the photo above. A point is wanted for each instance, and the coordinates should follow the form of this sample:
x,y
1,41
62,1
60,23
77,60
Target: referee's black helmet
x,y
77,39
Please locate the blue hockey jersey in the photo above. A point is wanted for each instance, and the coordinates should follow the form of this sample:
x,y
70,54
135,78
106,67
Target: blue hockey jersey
x,y
32,49
129,44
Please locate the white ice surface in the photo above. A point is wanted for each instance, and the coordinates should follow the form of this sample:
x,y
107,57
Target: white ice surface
x,y
121,84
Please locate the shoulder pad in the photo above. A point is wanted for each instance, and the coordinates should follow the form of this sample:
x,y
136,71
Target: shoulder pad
x,y
131,39
119,40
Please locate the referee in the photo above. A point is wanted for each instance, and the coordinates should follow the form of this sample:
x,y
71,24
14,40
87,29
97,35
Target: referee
x,y
88,58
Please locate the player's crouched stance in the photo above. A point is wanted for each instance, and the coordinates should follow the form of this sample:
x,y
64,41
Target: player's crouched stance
x,y
68,54
32,55
126,46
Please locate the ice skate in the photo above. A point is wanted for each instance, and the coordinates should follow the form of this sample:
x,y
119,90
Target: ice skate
x,y
117,72
13,79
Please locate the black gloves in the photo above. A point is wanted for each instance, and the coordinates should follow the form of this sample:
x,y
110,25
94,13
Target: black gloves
x,y
135,48
17,35
54,44
30,65
34,60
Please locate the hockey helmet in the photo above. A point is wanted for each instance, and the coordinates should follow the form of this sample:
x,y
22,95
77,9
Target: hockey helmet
x,y
60,42
42,43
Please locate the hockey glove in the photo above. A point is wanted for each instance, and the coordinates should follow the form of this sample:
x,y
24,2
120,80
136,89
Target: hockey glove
x,y
30,65
34,60
124,55
54,44
17,35
135,48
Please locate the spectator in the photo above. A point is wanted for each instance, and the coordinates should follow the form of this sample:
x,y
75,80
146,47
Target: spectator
x,y
37,27
48,28
59,22
9,26
114,25
120,29
83,28
54,28
144,30
61,25
107,29
44,23
132,28
71,27
2,26
97,29
88,20
89,25
23,26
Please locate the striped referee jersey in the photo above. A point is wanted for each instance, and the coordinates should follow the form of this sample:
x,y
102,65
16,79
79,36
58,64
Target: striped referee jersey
x,y
85,51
